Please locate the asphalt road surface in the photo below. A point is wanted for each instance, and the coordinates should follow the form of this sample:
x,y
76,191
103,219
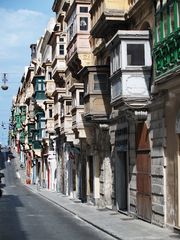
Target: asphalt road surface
x,y
27,216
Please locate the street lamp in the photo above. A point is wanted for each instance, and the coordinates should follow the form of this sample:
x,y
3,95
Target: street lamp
x,y
4,80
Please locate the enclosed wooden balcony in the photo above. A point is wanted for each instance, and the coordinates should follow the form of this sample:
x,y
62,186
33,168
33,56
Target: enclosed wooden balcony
x,y
167,57
39,87
58,67
96,93
57,94
58,9
130,61
77,111
107,16
58,43
78,29
66,117
78,54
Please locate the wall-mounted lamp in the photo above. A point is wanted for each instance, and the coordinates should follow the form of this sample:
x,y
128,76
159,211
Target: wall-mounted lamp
x,y
4,80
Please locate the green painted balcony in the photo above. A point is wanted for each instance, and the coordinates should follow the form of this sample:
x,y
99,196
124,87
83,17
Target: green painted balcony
x,y
18,121
22,137
36,144
39,87
23,114
167,55
23,118
30,133
39,95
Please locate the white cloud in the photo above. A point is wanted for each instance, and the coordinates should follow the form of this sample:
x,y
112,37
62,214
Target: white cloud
x,y
18,30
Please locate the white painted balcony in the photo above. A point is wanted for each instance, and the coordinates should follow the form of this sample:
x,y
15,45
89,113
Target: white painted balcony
x,y
130,62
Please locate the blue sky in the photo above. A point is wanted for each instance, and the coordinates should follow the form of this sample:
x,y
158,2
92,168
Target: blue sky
x,y
22,23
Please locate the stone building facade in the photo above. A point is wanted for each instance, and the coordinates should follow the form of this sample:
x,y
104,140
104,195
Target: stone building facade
x,y
111,110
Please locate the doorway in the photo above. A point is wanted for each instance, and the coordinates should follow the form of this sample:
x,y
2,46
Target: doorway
x,y
121,181
143,177
90,176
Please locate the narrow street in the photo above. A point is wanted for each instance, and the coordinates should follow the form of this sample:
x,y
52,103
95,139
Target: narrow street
x,y
26,216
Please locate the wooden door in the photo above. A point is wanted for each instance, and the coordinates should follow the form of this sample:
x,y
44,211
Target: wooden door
x,y
143,180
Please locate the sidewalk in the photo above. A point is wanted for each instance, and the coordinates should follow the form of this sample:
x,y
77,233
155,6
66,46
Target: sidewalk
x,y
112,222
115,224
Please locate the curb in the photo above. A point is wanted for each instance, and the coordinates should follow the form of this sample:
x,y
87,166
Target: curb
x,y
73,213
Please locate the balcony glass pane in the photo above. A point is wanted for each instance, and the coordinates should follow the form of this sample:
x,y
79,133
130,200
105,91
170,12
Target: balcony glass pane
x,y
158,5
100,82
86,86
84,9
178,13
43,124
68,107
135,55
83,23
61,49
116,87
171,10
165,23
49,75
81,98
115,59
50,113
158,27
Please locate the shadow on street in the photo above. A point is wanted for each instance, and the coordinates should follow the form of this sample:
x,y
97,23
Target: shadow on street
x,y
10,227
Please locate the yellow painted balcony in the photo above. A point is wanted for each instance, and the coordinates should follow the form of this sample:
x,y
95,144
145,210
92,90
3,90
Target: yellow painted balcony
x,y
107,16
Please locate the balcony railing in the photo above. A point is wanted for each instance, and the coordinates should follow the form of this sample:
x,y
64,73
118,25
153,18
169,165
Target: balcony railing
x,y
167,55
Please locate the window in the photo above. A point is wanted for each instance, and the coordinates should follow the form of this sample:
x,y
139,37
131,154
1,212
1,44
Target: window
x,y
74,99
39,87
116,87
49,75
61,39
165,23
68,107
81,98
115,59
84,9
135,55
62,109
86,86
83,23
164,2
71,26
71,32
50,113
171,11
158,5
43,124
158,27
100,82
61,49
178,8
